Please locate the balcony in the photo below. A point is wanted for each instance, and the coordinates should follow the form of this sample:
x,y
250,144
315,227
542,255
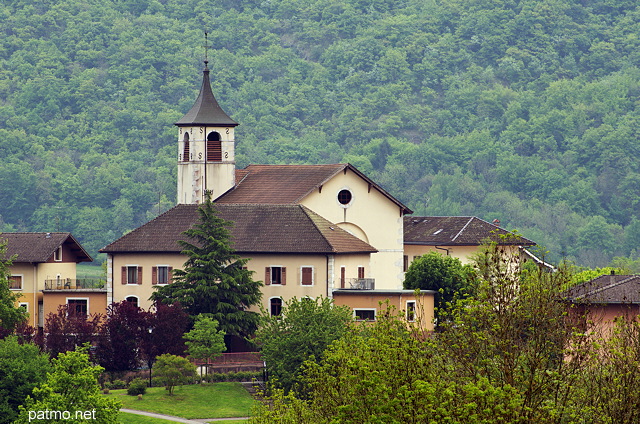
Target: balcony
x,y
361,283
84,284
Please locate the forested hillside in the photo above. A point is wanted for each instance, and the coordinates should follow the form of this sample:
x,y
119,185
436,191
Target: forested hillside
x,y
525,111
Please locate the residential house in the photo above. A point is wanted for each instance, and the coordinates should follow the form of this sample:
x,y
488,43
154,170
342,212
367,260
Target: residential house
x,y
601,300
456,236
43,273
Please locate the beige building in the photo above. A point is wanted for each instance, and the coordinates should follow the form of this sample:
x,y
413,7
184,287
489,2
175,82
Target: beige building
x,y
43,274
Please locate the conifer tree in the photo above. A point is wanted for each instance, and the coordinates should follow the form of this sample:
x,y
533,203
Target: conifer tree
x,y
214,281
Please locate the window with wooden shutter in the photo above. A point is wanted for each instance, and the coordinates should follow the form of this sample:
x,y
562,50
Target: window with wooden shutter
x,y
124,275
267,276
276,275
360,272
154,275
343,277
214,147
139,275
306,275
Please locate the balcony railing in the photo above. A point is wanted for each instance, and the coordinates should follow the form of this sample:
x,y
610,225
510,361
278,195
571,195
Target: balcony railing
x,y
361,283
75,284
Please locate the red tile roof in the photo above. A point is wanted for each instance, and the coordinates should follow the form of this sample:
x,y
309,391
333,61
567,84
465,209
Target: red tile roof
x,y
455,231
39,247
607,289
256,229
288,184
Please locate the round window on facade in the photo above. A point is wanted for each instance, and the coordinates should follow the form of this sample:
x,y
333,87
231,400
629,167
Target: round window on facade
x,y
344,197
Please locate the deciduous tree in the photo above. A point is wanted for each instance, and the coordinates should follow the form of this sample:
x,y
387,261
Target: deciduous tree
x,y
300,333
172,370
10,314
205,341
70,395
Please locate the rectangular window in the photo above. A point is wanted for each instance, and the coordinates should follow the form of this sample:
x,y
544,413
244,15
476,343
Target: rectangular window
x,y
360,272
365,314
276,275
15,282
343,279
306,276
405,263
77,307
411,310
161,274
25,306
131,274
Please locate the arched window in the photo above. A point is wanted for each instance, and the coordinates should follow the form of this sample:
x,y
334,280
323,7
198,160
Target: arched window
x,y
275,306
214,147
185,152
133,299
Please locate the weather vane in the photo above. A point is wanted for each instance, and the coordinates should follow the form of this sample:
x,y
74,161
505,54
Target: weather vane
x,y
206,47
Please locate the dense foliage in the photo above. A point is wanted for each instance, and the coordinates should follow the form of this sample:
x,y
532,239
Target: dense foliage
x,y
522,110
300,333
510,354
11,316
22,367
72,387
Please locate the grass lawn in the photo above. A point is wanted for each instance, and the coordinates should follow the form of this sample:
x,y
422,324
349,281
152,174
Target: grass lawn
x,y
126,418
218,400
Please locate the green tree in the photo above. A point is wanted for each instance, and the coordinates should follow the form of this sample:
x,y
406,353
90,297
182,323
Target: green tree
x,y
10,314
22,367
171,371
214,280
205,341
70,394
300,333
443,274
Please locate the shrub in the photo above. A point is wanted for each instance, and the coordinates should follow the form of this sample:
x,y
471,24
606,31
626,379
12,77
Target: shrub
x,y
137,387
115,384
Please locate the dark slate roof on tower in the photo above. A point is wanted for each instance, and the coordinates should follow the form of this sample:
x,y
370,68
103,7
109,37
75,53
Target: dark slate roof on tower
x,y
456,231
289,184
607,289
206,110
40,247
256,229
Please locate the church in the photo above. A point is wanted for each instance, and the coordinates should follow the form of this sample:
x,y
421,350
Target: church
x,y
308,230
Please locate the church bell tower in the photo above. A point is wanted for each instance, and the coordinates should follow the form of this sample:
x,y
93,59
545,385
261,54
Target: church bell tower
x,y
206,159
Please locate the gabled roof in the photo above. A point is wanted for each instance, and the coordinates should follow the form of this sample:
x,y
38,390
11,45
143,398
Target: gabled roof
x,y
256,229
39,247
289,184
607,289
456,231
206,110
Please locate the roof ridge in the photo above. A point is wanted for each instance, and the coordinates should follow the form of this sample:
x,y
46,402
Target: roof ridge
x,y
463,228
307,212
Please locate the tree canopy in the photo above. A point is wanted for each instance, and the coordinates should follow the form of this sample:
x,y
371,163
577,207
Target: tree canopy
x,y
214,280
523,110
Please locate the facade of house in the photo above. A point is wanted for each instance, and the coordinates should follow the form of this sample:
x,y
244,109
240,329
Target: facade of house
x,y
604,299
43,273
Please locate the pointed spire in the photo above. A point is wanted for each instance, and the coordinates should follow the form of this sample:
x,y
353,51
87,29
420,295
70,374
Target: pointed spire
x,y
206,110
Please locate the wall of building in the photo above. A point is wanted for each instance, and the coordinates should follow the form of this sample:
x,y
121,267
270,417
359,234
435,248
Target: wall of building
x,y
96,301
370,216
373,300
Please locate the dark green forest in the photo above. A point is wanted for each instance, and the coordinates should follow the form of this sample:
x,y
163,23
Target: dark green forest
x,y
525,111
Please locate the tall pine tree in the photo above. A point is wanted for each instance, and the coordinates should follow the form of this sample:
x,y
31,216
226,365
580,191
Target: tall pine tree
x,y
214,281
